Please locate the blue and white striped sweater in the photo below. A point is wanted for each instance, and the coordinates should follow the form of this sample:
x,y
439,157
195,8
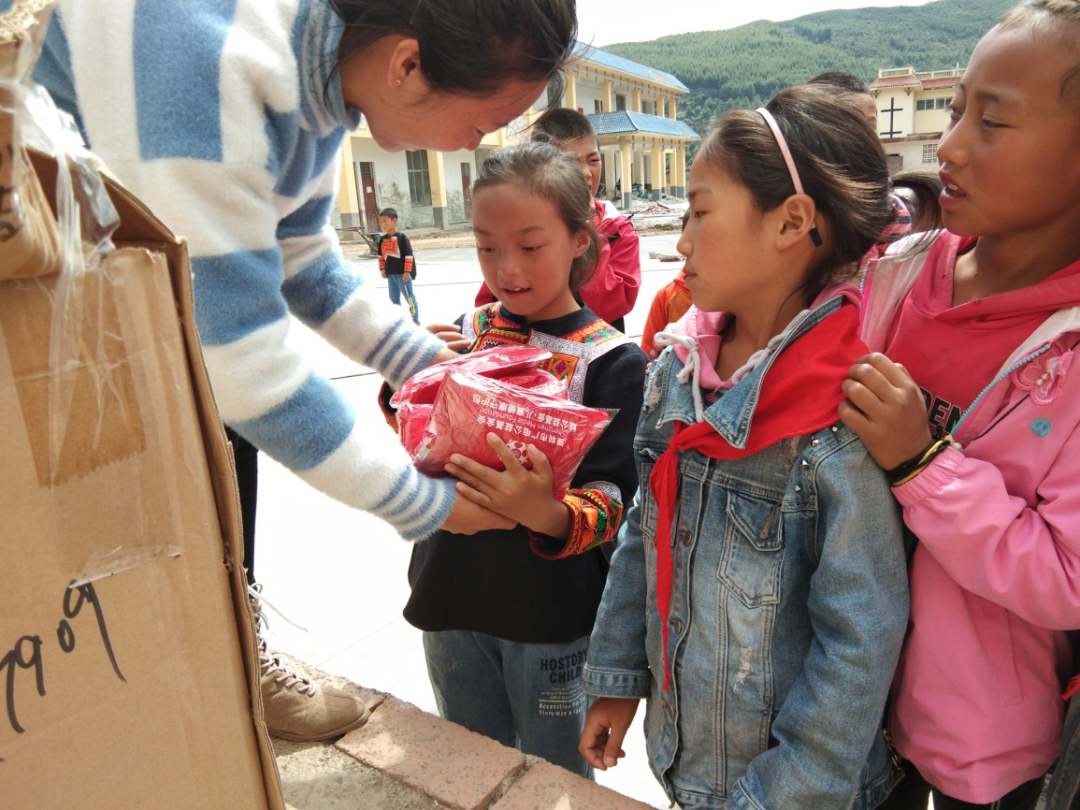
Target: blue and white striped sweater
x,y
213,113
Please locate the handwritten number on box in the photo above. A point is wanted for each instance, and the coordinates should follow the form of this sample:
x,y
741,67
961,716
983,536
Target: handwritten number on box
x,y
27,653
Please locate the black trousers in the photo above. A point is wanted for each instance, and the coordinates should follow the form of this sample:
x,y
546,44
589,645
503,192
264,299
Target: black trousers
x,y
914,792
247,480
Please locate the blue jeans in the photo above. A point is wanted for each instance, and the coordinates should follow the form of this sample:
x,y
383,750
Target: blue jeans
x,y
526,696
399,287
1063,792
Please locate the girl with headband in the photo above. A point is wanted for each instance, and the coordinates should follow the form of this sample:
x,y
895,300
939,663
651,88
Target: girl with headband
x,y
758,593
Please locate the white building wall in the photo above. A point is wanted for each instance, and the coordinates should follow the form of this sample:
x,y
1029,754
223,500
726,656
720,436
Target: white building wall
x,y
932,120
392,184
895,107
908,155
588,98
455,187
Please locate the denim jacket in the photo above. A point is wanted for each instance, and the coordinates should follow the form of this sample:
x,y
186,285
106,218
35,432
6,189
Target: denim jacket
x,y
789,606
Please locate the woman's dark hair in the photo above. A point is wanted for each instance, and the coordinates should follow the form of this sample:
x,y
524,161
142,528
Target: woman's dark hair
x,y
468,47
544,171
839,160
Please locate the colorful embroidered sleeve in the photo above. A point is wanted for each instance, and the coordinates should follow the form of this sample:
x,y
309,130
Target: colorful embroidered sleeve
x,y
407,254
596,511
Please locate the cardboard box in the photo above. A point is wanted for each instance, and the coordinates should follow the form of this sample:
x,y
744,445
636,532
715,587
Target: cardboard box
x,y
127,652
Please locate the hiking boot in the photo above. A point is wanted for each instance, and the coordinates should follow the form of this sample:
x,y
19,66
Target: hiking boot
x,y
294,707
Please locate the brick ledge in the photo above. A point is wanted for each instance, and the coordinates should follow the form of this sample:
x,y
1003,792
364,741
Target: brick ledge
x,y
406,759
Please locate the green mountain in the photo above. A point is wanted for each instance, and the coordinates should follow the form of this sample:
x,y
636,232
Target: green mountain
x,y
745,66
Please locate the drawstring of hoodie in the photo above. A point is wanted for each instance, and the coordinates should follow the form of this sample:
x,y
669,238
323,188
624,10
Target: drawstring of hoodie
x,y
691,368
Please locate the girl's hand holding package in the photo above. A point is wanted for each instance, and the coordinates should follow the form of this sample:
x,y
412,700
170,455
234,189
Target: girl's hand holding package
x,y
468,518
523,495
886,410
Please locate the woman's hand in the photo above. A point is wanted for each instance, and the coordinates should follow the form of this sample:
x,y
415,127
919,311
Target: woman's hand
x,y
520,494
468,518
450,334
605,728
886,410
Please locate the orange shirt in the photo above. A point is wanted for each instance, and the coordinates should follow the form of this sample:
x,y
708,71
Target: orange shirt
x,y
671,302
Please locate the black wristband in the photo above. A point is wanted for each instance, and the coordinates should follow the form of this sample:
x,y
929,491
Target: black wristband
x,y
905,468
903,473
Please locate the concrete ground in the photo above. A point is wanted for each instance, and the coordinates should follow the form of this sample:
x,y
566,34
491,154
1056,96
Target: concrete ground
x,y
340,573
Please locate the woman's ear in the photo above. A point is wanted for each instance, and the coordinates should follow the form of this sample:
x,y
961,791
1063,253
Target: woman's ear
x,y
404,65
798,221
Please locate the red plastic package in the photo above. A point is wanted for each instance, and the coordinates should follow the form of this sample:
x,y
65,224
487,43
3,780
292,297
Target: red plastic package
x,y
519,365
469,406
412,418
502,361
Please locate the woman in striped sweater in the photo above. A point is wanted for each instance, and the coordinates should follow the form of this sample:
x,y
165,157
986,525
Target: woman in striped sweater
x,y
226,117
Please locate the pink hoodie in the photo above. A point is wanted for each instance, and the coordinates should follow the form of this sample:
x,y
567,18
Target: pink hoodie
x,y
995,577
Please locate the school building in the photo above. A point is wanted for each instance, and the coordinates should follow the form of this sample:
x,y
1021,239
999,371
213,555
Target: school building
x,y
633,108
913,111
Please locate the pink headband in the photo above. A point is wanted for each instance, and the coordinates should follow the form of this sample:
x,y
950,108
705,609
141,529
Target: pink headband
x,y
790,161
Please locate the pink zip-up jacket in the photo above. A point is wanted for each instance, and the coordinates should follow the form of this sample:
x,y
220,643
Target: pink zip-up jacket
x,y
995,577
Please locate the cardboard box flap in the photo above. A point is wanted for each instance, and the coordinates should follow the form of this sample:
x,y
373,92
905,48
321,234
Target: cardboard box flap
x,y
30,238
22,32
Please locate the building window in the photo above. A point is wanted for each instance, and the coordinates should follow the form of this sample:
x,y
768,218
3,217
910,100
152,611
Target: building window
x,y
929,153
419,179
933,104
597,106
620,102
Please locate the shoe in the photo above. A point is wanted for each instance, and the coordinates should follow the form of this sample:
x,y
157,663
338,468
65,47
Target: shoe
x,y
294,707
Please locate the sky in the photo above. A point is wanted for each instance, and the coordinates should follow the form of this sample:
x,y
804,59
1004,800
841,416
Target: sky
x,y
603,22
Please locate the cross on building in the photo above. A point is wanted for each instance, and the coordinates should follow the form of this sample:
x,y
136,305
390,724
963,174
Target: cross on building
x,y
892,111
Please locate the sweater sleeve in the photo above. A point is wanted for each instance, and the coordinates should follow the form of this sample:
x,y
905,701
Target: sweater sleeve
x,y
267,392
607,477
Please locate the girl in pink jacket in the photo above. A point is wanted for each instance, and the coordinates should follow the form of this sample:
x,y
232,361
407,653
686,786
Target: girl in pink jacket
x,y
976,418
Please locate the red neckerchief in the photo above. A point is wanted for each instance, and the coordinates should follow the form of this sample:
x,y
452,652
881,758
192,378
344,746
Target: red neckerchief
x,y
800,395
